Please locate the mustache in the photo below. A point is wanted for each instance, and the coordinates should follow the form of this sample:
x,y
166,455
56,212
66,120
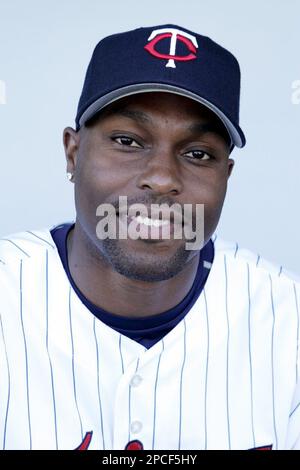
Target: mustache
x,y
146,200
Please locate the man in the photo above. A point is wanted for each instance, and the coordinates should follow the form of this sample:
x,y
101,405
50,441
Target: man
x,y
143,341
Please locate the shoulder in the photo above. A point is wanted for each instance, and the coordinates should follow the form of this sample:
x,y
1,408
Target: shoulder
x,y
239,257
25,245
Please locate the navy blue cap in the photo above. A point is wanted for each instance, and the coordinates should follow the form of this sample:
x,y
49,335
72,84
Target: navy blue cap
x,y
166,58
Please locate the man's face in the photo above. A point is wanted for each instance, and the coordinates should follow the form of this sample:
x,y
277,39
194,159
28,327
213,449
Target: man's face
x,y
153,148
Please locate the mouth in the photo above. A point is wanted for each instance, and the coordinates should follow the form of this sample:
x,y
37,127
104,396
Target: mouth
x,y
165,217
148,228
149,222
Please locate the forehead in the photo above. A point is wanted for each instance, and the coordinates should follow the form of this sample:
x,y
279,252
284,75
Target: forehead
x,y
169,105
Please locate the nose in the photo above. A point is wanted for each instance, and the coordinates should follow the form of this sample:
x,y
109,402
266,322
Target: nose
x,y
161,174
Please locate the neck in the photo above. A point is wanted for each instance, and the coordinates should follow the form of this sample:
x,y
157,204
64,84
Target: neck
x,y
117,294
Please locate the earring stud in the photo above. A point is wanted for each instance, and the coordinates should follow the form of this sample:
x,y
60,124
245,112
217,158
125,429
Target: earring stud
x,y
70,176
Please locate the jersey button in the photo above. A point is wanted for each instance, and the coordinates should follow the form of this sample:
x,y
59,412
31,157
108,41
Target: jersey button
x,y
136,427
136,380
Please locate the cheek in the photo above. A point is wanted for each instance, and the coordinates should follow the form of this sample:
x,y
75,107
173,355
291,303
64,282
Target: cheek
x,y
212,193
92,187
210,187
101,172
98,180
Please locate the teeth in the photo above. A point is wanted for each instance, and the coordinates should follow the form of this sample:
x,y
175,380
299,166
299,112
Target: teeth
x,y
151,222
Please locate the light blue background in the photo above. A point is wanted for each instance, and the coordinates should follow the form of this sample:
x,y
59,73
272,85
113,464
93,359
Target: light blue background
x,y
45,47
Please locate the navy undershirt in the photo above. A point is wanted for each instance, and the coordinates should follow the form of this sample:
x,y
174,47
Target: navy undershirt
x,y
145,330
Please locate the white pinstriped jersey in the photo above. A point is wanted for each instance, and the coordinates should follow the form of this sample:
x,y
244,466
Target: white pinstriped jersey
x,y
226,377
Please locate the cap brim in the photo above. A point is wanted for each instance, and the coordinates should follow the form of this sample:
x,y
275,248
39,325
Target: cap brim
x,y
235,132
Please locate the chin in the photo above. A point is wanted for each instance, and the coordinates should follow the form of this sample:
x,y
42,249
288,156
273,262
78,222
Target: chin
x,y
145,266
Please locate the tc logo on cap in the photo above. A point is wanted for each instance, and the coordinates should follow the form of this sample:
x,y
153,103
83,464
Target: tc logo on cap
x,y
175,35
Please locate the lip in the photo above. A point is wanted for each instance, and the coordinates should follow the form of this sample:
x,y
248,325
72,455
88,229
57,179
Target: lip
x,y
149,232
164,214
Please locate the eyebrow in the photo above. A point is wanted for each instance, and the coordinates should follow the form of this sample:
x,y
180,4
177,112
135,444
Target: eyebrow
x,y
208,127
202,127
135,115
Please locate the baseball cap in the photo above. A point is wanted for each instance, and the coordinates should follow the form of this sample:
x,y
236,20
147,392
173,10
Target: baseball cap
x,y
164,58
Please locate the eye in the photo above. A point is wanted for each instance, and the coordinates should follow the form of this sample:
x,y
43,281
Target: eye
x,y
127,141
198,155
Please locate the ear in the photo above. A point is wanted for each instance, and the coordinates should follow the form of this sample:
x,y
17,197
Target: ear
x,y
230,166
71,141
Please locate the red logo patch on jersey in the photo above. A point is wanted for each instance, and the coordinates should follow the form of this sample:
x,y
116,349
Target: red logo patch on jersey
x,y
134,445
175,35
269,447
86,441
